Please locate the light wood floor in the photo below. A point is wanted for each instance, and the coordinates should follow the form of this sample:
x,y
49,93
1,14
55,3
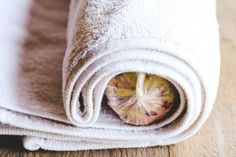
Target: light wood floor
x,y
218,135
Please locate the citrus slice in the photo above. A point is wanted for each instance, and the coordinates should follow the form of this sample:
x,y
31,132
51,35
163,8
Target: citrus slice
x,y
139,98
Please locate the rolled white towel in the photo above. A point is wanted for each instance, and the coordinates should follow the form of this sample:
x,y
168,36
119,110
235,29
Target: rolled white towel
x,y
172,39
177,40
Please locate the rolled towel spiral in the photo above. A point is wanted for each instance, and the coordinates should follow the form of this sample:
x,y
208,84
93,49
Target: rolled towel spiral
x,y
175,40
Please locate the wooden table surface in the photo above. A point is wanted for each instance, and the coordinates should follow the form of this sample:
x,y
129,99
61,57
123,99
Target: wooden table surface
x,y
218,135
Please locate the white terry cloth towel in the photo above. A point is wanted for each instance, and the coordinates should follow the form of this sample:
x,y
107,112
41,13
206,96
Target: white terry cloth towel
x,y
56,110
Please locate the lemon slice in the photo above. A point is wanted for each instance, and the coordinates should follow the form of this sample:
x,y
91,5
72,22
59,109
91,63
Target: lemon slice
x,y
139,98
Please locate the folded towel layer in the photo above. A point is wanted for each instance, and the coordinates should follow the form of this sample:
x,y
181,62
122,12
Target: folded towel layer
x,y
171,39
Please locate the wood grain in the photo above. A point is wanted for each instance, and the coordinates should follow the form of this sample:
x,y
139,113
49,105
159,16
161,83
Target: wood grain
x,y
217,138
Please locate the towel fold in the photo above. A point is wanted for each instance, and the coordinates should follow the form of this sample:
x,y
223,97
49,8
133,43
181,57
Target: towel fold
x,y
177,40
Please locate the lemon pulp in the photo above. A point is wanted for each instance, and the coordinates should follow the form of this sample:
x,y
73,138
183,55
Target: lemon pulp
x,y
139,98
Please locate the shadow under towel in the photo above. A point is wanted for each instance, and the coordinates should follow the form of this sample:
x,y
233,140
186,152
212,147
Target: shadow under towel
x,y
52,83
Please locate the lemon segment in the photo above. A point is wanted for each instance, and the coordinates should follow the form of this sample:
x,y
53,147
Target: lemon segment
x,y
139,98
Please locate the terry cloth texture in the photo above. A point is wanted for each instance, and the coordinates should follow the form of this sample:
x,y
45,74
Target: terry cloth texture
x,y
51,87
